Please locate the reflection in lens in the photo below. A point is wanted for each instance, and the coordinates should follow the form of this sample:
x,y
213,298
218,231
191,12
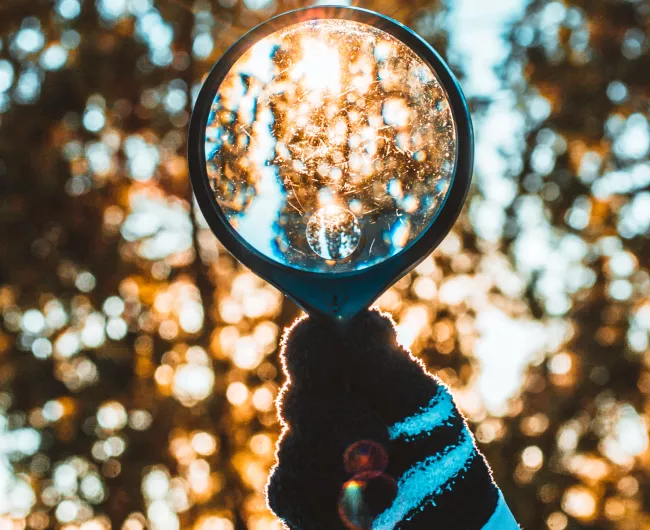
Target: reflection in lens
x,y
330,116
333,232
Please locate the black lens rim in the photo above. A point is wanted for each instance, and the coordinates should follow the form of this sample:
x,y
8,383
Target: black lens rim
x,y
336,295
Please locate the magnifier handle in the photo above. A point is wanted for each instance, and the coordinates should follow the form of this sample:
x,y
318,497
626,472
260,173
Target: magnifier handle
x,y
356,385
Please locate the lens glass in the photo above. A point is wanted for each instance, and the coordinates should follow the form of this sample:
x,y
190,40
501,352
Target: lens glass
x,y
330,146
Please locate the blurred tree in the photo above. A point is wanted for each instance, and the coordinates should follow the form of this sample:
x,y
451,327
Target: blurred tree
x,y
120,312
137,366
580,70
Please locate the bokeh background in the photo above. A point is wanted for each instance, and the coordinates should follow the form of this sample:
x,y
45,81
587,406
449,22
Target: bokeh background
x,y
138,360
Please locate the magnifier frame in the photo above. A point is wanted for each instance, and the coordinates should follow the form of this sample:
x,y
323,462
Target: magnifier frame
x,y
336,296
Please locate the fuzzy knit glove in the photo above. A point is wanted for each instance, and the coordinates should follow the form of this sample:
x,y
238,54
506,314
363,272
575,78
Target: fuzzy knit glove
x,y
372,441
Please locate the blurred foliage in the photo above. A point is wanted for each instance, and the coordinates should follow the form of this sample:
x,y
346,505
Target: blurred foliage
x,y
138,360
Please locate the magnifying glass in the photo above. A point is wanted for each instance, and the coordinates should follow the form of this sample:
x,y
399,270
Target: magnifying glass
x,y
330,150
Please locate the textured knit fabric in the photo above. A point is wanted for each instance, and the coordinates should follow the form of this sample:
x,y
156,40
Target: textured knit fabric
x,y
344,386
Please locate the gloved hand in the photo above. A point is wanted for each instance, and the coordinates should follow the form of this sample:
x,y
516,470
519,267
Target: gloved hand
x,y
373,441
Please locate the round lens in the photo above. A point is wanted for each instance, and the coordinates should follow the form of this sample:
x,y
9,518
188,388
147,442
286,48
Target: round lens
x,y
330,146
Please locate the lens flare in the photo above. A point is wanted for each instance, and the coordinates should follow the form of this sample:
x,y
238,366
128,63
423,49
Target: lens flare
x,y
365,455
364,497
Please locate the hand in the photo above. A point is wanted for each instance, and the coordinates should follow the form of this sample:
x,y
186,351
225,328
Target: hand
x,y
417,466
